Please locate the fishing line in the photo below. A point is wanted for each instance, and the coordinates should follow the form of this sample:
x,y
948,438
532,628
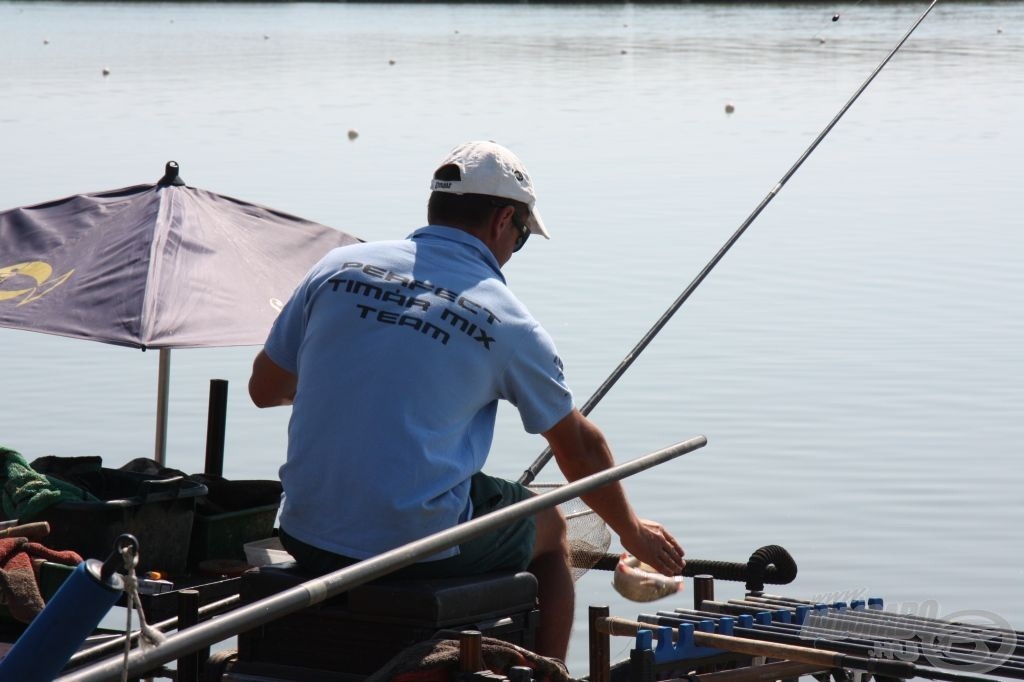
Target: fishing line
x,y
531,473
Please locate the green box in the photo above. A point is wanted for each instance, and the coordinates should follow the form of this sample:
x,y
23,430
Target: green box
x,y
51,577
222,536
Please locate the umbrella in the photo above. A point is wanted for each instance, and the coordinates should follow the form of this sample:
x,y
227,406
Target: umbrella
x,y
161,266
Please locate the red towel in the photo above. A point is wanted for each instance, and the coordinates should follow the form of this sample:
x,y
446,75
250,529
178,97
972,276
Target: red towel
x,y
19,587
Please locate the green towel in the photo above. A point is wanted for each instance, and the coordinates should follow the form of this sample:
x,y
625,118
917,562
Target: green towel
x,y
26,492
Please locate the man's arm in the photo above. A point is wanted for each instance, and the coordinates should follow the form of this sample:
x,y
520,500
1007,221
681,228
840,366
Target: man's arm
x,y
580,449
270,385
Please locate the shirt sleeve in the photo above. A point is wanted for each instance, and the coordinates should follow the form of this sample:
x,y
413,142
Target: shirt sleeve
x,y
289,328
534,382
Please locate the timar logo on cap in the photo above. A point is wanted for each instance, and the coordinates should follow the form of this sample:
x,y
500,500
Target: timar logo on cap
x,y
442,184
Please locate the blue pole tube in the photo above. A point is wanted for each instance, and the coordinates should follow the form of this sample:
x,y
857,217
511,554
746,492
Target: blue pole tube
x,y
58,631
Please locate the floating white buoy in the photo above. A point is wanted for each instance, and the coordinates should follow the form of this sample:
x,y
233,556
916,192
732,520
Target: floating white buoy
x,y
45,41
729,108
999,30
456,31
266,37
391,62
821,41
622,52
106,71
353,133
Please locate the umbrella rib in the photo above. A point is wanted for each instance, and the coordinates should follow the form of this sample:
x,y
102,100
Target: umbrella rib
x,y
161,233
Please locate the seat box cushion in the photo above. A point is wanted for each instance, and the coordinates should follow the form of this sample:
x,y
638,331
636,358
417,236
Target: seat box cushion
x,y
444,601
437,602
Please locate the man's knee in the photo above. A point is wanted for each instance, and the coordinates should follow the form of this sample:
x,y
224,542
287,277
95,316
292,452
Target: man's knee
x,y
551,533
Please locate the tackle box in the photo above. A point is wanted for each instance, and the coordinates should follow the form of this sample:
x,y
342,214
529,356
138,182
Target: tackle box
x,y
159,512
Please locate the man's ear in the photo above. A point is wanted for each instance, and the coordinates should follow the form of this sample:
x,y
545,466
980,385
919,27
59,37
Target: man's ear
x,y
501,218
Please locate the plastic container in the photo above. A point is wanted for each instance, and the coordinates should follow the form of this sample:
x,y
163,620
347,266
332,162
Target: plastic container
x,y
51,576
266,551
223,536
158,512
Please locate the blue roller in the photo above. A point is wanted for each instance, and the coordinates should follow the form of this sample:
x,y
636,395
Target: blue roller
x,y
56,634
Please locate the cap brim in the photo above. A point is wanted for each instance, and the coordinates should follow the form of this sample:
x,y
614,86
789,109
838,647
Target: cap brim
x,y
536,225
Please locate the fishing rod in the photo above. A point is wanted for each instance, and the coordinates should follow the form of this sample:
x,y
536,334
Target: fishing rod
x,y
946,667
967,650
912,619
792,652
117,643
748,628
871,621
531,473
324,587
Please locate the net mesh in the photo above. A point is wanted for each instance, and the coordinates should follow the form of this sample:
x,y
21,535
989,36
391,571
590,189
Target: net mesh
x,y
588,534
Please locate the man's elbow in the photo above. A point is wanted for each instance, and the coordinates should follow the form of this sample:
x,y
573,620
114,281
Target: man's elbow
x,y
579,446
264,394
260,398
269,384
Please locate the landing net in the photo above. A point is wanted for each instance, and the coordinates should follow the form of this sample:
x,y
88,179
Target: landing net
x,y
588,534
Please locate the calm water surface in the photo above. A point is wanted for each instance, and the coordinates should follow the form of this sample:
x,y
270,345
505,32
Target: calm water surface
x,y
856,362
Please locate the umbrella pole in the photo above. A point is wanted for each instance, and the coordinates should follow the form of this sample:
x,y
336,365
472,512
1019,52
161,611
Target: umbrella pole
x,y
162,390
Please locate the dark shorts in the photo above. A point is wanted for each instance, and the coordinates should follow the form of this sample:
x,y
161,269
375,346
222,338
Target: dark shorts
x,y
507,548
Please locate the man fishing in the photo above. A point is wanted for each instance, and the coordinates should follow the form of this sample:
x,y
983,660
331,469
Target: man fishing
x,y
394,355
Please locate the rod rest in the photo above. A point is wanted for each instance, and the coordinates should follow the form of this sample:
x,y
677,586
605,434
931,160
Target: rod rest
x,y
769,565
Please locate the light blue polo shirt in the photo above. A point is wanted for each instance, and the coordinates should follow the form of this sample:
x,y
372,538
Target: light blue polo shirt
x,y
402,350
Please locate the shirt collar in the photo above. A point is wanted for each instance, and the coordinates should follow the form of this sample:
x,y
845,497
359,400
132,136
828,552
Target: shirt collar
x,y
440,232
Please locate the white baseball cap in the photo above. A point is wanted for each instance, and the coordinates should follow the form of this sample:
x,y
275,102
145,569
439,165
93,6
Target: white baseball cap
x,y
488,168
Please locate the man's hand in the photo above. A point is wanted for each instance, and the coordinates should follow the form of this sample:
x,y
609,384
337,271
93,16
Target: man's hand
x,y
656,547
580,450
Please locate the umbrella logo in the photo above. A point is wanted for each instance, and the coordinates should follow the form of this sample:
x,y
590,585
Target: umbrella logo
x,y
30,280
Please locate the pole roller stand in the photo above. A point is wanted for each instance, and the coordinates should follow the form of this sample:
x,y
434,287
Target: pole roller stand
x,y
59,630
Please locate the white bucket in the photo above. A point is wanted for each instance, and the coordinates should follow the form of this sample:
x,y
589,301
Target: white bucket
x,y
266,551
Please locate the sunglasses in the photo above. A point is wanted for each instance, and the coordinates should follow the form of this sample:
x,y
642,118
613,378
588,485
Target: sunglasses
x,y
524,233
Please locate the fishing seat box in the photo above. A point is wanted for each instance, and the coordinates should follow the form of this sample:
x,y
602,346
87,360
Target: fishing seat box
x,y
354,634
